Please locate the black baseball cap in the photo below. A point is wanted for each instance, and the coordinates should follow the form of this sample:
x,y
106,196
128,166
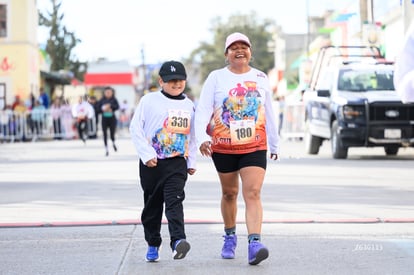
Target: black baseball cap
x,y
172,70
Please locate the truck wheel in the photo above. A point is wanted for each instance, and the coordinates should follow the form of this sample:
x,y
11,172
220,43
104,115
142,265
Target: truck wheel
x,y
312,143
338,151
391,150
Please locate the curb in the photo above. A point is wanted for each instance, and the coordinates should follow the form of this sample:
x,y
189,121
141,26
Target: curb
x,y
138,222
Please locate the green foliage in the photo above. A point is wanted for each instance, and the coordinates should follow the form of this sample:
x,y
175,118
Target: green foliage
x,y
210,55
61,42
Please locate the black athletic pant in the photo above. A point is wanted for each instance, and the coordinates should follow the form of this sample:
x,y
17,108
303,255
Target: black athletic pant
x,y
57,128
108,122
82,129
163,184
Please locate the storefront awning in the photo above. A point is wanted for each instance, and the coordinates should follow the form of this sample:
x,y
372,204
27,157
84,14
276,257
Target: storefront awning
x,y
55,78
102,79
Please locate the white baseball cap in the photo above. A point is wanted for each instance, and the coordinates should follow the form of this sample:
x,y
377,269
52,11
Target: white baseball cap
x,y
235,37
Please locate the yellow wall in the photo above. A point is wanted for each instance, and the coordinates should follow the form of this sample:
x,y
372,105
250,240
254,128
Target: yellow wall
x,y
19,54
24,21
19,67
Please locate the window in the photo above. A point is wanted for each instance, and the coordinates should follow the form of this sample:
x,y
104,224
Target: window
x,y
3,20
366,80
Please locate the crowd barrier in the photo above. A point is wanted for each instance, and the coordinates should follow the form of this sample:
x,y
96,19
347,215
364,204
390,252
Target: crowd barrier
x,y
292,116
18,126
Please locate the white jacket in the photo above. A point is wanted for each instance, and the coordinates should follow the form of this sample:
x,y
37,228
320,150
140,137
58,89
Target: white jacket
x,y
404,68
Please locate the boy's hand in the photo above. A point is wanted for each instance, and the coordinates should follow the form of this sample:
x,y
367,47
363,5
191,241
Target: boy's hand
x,y
151,162
191,171
274,156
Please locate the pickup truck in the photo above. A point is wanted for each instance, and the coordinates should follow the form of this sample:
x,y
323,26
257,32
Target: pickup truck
x,y
353,103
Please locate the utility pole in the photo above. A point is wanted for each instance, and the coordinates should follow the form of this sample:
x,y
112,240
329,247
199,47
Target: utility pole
x,y
144,70
308,34
363,12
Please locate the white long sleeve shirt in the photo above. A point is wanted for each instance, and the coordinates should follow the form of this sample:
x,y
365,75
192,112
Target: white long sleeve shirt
x,y
163,127
235,112
404,68
83,110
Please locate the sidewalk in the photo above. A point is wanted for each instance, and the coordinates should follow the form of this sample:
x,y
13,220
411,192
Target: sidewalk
x,y
294,249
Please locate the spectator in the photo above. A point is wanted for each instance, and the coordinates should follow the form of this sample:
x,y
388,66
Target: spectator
x,y
16,102
38,118
56,114
19,113
7,123
44,98
67,120
124,115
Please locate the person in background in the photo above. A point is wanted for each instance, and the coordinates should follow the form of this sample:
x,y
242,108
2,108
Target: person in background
x,y
82,112
67,120
404,68
30,102
7,123
234,122
282,104
163,134
38,116
19,106
44,98
56,113
94,132
19,114
16,102
107,106
124,115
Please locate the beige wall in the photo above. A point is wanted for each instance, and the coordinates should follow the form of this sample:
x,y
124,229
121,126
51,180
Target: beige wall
x,y
19,54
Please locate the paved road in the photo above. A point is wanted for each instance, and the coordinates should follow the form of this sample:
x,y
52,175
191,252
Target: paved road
x,y
322,216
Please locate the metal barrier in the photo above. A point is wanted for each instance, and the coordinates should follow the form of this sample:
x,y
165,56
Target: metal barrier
x,y
293,120
39,124
33,125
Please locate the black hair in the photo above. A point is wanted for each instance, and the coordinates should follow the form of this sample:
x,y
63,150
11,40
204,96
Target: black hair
x,y
109,88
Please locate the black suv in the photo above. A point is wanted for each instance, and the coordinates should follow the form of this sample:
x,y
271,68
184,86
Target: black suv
x,y
353,103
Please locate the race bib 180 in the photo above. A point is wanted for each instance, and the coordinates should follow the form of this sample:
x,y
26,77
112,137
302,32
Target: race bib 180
x,y
242,131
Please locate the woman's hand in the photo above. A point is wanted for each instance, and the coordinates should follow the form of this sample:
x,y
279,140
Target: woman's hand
x,y
205,149
191,171
152,162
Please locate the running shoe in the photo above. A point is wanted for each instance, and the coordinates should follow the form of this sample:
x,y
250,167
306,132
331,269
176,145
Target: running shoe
x,y
257,252
229,246
180,249
152,254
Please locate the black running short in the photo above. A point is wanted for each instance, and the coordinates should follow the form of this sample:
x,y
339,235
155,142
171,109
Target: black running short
x,y
226,163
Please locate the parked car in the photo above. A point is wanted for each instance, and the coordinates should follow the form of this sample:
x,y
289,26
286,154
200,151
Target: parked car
x,y
353,103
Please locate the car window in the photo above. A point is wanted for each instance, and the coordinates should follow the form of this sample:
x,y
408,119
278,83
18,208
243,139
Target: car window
x,y
365,80
325,82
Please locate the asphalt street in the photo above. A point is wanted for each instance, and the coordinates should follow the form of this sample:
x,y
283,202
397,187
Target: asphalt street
x,y
65,208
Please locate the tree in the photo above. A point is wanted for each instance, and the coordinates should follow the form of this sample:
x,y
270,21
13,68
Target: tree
x,y
61,42
210,56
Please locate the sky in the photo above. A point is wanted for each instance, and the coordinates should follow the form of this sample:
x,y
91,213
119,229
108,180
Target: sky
x,y
164,30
